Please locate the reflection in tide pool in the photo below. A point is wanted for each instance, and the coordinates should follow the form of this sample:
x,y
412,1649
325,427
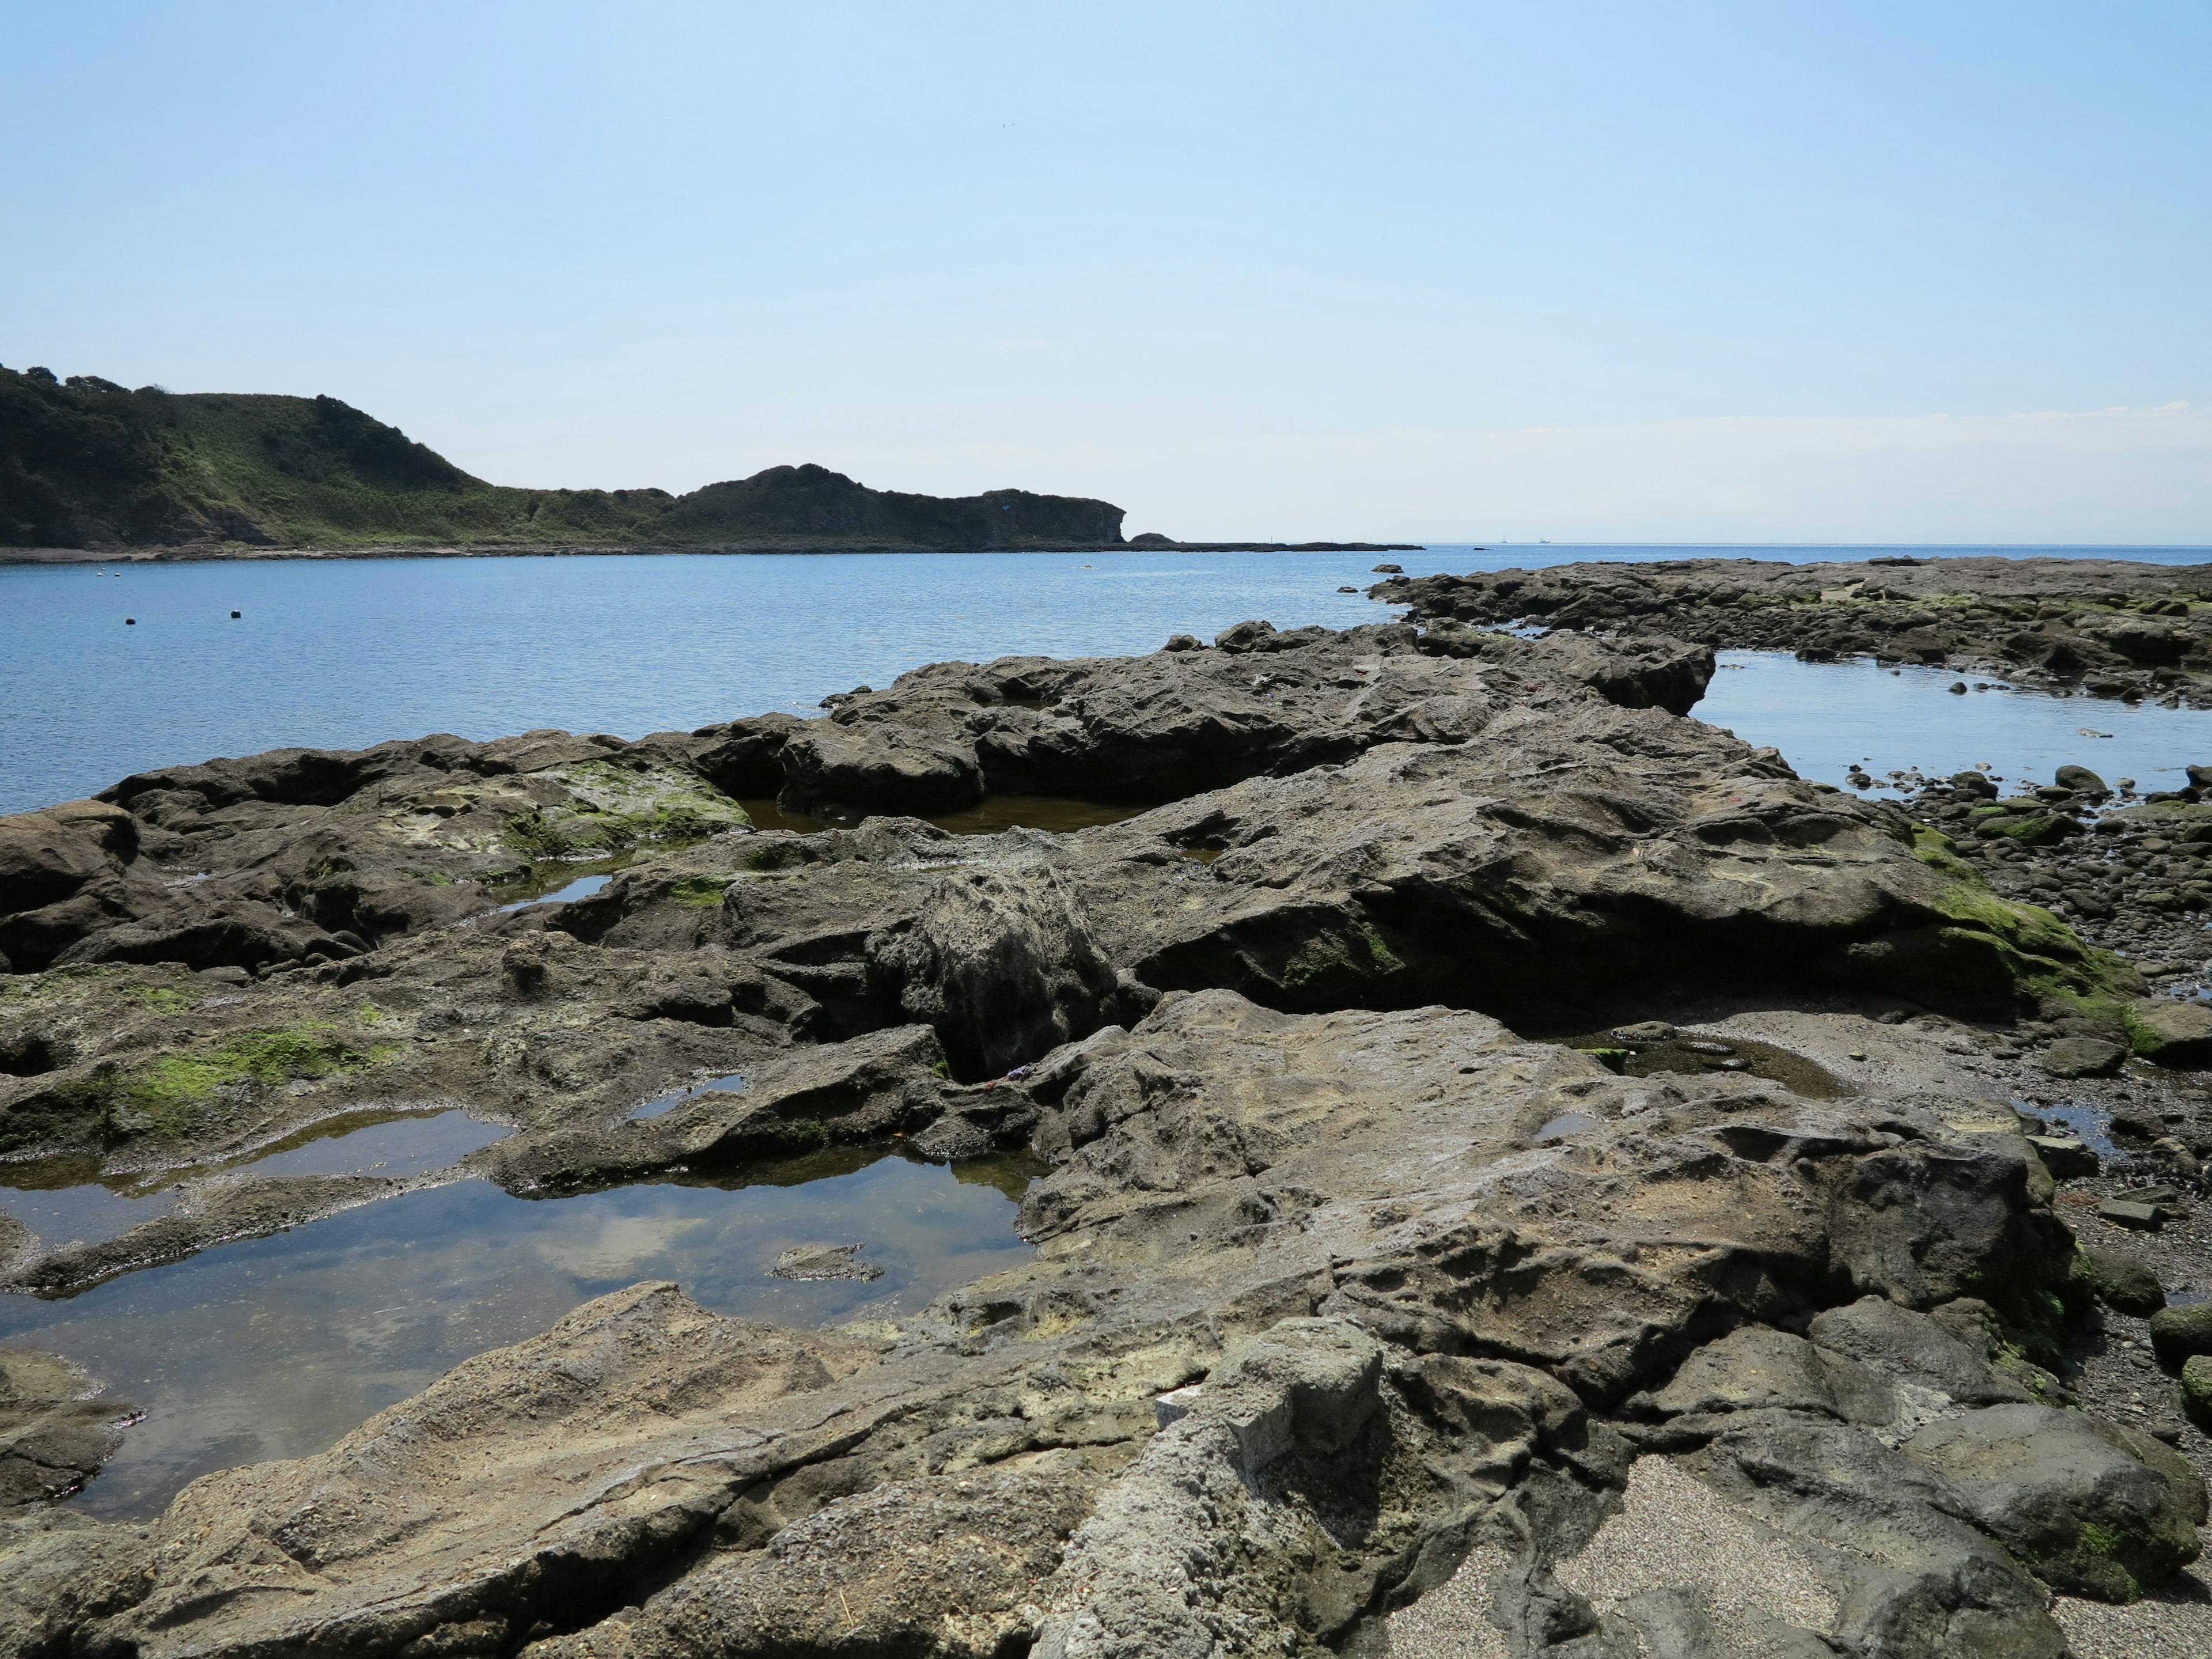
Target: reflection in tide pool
x,y
66,1200
1826,717
275,1347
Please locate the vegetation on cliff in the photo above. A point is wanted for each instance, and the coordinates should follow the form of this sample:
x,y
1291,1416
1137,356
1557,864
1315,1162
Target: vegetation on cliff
x,y
87,463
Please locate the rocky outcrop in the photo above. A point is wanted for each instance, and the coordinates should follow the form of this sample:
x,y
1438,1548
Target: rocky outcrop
x,y
1343,1289
1315,1314
2117,628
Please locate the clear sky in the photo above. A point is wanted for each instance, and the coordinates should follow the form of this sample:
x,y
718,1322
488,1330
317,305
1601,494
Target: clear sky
x,y
1650,271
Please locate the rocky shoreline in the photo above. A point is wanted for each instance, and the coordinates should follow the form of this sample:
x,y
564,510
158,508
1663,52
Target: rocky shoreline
x,y
1527,1174
2103,628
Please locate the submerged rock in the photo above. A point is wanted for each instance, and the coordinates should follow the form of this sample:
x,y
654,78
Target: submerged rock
x,y
55,1429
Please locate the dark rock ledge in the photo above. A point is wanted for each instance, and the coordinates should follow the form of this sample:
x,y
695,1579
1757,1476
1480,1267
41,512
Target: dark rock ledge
x,y
2108,628
1340,1281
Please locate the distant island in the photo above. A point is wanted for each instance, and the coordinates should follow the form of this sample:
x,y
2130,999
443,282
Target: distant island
x,y
91,469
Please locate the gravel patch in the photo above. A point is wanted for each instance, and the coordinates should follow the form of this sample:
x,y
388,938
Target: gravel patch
x,y
1671,1529
2174,1622
1452,1621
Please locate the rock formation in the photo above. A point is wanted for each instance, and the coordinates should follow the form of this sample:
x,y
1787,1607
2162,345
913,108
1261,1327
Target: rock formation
x,y
2112,627
1354,1285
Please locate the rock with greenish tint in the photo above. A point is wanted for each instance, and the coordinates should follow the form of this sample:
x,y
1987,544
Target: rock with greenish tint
x,y
2071,1057
2180,1333
2095,1509
2171,1033
2029,829
2080,780
2196,1389
2123,1282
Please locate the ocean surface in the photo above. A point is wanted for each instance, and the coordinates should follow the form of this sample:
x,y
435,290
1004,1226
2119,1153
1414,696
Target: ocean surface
x,y
345,653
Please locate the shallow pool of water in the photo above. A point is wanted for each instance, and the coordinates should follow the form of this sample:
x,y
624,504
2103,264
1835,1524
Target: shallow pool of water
x,y
1827,717
67,1201
275,1347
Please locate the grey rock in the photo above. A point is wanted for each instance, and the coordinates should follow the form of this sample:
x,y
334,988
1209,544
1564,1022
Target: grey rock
x,y
1755,1368
2095,1509
2170,1033
1913,1580
2072,1057
2066,1157
2124,1212
812,1262
1899,1344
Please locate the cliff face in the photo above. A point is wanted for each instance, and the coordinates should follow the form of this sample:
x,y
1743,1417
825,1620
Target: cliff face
x,y
86,463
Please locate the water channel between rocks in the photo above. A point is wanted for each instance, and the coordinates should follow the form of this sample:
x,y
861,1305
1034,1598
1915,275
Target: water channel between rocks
x,y
275,1347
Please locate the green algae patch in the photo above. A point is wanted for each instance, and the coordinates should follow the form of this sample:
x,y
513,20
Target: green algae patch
x,y
2047,959
170,1096
1939,852
175,1095
1985,955
702,892
1334,960
613,808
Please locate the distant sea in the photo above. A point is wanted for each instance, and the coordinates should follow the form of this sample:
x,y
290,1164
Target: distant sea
x,y
345,653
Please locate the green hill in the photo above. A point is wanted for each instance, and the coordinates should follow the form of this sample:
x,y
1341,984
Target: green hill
x,y
86,463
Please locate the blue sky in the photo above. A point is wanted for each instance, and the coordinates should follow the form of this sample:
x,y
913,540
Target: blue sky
x,y
1589,271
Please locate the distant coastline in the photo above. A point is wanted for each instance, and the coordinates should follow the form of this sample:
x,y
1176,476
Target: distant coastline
x,y
91,473
203,554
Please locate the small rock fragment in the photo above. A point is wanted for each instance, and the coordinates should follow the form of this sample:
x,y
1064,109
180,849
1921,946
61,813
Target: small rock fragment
x,y
2143,1217
813,1261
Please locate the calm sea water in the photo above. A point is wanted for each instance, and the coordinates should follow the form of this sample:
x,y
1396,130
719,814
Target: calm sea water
x,y
345,653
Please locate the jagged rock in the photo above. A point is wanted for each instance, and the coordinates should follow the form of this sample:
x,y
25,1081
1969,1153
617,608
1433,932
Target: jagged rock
x,y
1912,1580
2066,1157
1314,1219
2095,1509
392,1533
1913,1348
2119,629
950,1560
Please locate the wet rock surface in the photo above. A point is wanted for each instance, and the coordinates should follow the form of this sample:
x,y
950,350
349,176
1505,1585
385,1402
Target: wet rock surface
x,y
1353,1302
2113,628
55,1429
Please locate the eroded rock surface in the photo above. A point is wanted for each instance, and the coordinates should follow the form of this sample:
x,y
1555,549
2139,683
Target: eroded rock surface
x,y
1340,1281
1312,1317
